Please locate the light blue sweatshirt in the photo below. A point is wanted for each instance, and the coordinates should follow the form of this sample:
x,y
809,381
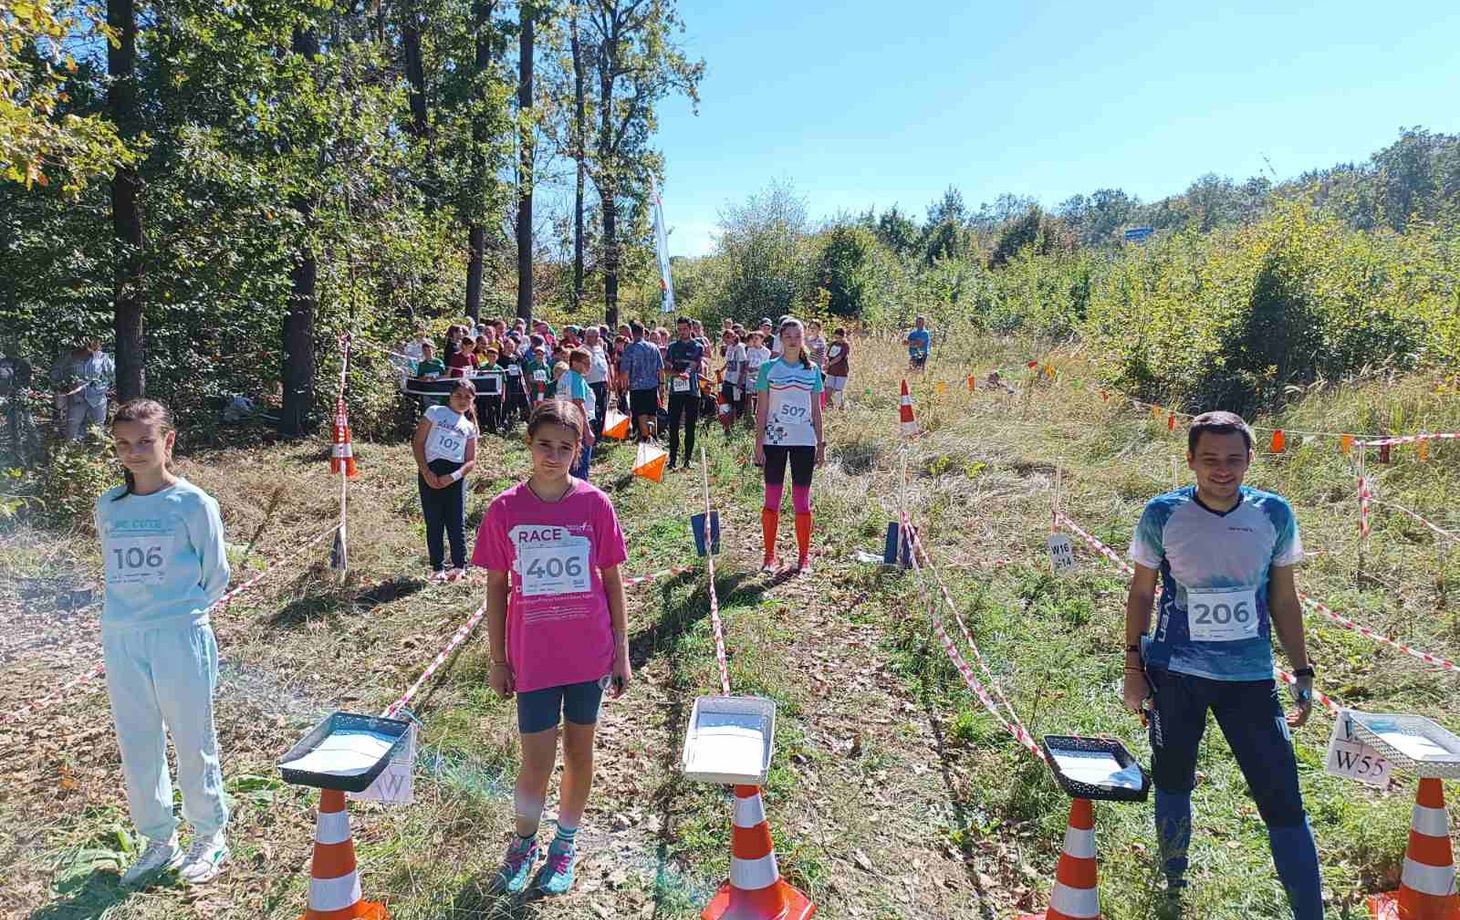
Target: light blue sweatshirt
x,y
164,556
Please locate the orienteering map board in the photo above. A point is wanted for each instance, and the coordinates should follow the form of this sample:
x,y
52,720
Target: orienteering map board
x,y
344,751
1414,743
730,740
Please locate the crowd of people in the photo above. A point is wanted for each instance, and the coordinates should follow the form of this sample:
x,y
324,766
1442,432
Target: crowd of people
x,y
551,546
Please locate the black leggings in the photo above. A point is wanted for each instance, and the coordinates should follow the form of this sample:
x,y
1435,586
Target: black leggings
x,y
803,462
445,513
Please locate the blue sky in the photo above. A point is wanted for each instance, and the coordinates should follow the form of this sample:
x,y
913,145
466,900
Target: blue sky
x,y
860,103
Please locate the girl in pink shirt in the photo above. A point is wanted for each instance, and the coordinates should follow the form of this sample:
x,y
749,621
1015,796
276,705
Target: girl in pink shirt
x,y
555,613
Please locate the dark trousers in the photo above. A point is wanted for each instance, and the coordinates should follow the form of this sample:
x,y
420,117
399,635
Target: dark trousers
x,y
444,510
489,412
686,407
516,406
600,397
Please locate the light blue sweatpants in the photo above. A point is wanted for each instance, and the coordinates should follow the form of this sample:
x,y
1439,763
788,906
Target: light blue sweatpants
x,y
162,679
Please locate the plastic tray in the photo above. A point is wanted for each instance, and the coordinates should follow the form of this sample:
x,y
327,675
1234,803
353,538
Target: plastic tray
x,y
1054,745
344,723
1415,743
724,733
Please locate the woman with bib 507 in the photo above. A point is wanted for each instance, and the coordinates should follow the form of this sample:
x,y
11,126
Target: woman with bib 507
x,y
788,430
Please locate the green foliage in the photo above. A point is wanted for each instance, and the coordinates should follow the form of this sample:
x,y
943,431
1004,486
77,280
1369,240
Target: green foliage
x,y
846,268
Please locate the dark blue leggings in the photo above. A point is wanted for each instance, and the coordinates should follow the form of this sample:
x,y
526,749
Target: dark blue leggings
x,y
1251,719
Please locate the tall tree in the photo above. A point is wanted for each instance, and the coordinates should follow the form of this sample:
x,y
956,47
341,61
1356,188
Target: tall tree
x,y
298,374
415,68
526,147
484,113
638,64
580,150
122,98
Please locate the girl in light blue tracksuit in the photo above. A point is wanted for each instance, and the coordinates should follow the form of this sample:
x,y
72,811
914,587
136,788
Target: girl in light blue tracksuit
x,y
162,545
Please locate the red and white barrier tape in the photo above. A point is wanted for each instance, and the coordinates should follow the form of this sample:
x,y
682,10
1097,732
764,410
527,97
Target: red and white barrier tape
x,y
917,547
216,607
973,683
1324,699
720,657
1440,531
1368,633
456,639
1409,439
1101,548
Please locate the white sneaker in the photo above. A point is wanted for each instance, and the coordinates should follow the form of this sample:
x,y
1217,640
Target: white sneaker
x,y
159,856
455,574
205,860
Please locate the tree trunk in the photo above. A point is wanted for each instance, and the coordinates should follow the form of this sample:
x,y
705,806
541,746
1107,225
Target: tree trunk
x,y
580,152
298,373
524,160
121,16
608,183
476,239
415,72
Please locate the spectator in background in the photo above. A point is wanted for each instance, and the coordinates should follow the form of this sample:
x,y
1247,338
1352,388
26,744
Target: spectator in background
x,y
596,377
84,377
642,364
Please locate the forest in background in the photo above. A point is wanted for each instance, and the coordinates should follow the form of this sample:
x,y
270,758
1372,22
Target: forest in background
x,y
221,188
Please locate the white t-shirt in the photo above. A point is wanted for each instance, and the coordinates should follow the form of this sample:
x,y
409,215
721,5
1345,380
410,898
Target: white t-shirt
x,y
448,435
735,364
597,365
755,356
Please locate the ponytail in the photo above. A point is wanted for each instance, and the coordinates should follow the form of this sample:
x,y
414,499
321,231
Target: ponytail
x,y
141,410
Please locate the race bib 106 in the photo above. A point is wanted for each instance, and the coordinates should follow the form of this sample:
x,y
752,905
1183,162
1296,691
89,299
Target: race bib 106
x,y
137,558
1222,615
555,567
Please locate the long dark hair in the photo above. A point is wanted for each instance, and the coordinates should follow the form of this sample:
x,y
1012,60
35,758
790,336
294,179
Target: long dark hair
x,y
141,410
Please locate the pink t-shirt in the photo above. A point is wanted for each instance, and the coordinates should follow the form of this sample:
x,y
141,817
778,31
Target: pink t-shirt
x,y
558,627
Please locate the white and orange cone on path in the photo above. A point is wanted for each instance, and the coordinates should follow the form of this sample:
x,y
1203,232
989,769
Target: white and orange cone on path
x,y
1427,885
905,411
343,452
1076,895
334,885
755,890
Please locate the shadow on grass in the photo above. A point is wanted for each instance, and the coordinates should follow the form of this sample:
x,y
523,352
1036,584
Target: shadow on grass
x,y
331,603
663,635
93,896
387,591
929,695
479,898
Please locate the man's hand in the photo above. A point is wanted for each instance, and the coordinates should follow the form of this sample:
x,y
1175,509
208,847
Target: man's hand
x,y
1303,696
1136,691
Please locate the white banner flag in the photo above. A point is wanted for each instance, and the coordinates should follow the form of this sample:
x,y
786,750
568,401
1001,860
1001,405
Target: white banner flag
x,y
661,241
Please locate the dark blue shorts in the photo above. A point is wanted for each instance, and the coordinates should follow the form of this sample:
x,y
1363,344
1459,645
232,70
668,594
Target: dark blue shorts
x,y
540,710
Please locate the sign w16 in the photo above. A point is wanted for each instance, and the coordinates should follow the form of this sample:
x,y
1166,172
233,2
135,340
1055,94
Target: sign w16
x,y
1061,553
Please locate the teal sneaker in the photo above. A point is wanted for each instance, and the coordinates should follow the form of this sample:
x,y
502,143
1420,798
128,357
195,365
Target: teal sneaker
x,y
516,867
556,875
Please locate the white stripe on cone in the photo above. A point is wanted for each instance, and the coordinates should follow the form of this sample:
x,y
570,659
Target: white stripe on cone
x,y
749,812
754,874
1432,822
1080,843
333,827
334,893
1075,902
1436,881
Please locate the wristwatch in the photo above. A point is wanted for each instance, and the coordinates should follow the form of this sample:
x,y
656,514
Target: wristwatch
x,y
1305,671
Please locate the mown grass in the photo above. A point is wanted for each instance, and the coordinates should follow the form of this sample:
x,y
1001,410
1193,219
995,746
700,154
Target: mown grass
x,y
981,481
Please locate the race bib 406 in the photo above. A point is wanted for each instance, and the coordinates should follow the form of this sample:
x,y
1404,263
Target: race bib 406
x,y
559,567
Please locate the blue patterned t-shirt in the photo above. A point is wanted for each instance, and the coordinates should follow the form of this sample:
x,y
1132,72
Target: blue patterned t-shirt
x,y
1213,618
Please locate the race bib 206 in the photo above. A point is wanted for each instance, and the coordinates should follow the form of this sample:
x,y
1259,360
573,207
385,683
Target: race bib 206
x,y
1222,615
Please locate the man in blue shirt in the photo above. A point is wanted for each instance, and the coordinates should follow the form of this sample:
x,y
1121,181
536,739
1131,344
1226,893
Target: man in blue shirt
x,y
683,377
641,363
918,341
1225,554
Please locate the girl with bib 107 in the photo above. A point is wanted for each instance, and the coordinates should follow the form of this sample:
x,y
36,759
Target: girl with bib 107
x,y
162,546
555,614
445,446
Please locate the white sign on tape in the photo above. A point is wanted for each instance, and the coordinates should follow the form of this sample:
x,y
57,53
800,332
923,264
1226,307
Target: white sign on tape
x,y
395,785
1061,553
1349,757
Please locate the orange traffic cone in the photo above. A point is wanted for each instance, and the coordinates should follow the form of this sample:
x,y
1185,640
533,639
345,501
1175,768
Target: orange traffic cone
x,y
615,425
1279,441
343,451
1427,886
334,886
905,411
726,411
649,463
755,890
1075,895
